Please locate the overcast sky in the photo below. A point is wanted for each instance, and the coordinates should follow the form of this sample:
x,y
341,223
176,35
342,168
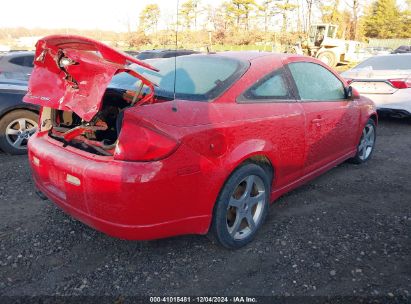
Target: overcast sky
x,y
85,14
112,15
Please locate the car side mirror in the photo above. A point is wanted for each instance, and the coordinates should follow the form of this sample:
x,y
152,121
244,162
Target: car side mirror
x,y
351,93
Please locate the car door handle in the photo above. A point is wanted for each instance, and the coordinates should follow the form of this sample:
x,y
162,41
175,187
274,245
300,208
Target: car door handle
x,y
317,120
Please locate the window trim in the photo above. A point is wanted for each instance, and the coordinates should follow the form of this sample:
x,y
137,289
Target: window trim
x,y
297,93
242,99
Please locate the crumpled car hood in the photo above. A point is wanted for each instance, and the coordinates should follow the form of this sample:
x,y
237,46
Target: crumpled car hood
x,y
72,73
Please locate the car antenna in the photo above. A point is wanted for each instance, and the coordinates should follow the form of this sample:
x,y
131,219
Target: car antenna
x,y
174,107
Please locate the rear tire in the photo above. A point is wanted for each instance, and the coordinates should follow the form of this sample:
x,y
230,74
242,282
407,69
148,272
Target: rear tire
x,y
328,58
16,128
241,207
366,146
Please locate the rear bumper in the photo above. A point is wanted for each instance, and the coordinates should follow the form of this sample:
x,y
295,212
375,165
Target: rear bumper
x,y
400,100
394,112
123,199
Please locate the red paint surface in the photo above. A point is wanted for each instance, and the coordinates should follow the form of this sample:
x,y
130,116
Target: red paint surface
x,y
176,195
94,64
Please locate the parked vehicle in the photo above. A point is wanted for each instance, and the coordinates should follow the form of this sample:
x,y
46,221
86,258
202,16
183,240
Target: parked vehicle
x,y
150,54
18,120
141,161
402,49
378,50
132,53
386,79
16,65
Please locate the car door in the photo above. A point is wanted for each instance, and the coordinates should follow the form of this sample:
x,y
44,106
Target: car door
x,y
280,120
331,117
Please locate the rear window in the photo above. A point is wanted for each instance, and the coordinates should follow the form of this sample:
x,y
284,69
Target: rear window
x,y
396,62
26,60
198,78
147,55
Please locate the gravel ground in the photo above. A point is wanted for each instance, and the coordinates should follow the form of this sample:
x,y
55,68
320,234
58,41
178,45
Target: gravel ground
x,y
346,233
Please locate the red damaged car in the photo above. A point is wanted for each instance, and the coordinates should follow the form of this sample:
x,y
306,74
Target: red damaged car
x,y
189,145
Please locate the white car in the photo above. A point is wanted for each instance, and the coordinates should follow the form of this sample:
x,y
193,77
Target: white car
x,y
385,79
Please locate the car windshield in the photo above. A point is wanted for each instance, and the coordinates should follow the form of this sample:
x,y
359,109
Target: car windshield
x,y
395,62
198,78
147,55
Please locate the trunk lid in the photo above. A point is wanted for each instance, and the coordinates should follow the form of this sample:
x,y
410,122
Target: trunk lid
x,y
370,74
72,73
368,81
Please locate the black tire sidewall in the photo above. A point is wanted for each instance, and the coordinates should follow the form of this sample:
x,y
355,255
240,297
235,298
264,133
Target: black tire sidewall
x,y
219,221
5,121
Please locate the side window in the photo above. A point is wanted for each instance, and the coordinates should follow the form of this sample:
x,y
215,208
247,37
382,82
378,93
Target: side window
x,y
28,61
315,82
18,60
270,88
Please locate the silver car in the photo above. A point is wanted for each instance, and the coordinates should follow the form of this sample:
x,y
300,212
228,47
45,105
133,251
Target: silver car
x,y
16,65
385,79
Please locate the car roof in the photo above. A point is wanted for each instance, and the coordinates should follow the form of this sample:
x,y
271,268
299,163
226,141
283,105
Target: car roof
x,y
18,54
387,56
251,55
165,50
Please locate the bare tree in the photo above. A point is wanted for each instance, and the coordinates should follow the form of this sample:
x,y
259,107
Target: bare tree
x,y
268,9
354,5
149,18
310,6
285,7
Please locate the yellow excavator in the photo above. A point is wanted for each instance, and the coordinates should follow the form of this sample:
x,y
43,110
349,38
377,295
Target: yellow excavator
x,y
322,43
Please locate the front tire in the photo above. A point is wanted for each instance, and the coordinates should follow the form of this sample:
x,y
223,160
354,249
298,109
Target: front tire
x,y
366,146
242,206
15,129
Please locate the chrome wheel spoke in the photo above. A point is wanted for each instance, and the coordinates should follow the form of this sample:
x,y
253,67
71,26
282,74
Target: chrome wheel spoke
x,y
235,203
362,145
18,142
22,124
255,199
237,222
32,130
250,220
11,131
370,134
249,185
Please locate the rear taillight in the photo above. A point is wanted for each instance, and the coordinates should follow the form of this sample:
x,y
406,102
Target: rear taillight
x,y
401,83
143,143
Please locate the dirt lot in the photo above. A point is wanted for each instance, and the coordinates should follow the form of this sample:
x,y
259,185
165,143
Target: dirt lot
x,y
346,233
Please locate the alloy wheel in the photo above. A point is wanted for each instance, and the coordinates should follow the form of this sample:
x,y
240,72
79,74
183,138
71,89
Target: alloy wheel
x,y
245,207
367,142
19,131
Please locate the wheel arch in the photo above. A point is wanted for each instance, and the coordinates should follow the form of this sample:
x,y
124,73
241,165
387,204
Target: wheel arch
x,y
374,117
257,151
8,110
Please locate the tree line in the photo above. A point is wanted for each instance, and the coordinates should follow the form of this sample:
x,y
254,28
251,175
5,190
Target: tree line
x,y
242,22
